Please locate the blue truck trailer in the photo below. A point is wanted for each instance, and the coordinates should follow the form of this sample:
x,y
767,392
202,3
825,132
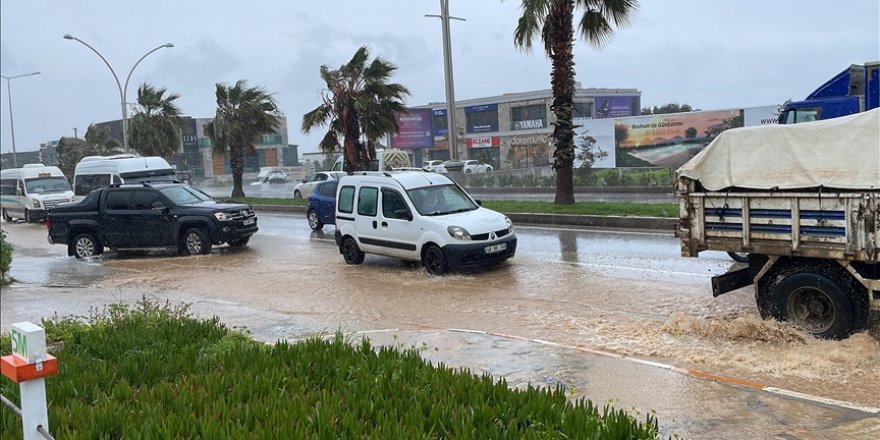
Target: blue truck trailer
x,y
855,90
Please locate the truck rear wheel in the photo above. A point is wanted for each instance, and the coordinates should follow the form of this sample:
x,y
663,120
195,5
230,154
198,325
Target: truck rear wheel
x,y
821,299
85,245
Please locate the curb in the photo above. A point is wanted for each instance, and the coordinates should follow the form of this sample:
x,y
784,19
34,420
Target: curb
x,y
696,374
661,224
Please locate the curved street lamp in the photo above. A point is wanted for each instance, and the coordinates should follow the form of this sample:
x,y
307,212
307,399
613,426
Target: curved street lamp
x,y
11,125
122,88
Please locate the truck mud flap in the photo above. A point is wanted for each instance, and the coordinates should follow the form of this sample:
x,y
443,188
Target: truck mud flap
x,y
738,278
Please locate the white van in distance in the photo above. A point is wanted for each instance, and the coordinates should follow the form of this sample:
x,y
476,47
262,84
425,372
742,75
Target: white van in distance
x,y
419,216
93,172
27,192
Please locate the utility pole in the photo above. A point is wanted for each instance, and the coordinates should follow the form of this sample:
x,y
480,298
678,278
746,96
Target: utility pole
x,y
447,69
74,133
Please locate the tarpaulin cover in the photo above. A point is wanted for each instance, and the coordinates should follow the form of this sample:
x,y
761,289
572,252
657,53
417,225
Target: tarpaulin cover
x,y
840,153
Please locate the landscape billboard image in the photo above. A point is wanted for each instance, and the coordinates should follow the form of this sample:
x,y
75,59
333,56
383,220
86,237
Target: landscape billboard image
x,y
669,140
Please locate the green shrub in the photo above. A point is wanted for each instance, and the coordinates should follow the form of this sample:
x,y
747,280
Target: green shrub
x,y
153,372
5,258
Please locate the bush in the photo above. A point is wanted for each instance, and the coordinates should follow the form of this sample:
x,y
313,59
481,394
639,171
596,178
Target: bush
x,y
5,258
153,372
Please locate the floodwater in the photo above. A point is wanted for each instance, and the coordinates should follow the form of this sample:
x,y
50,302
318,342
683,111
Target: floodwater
x,y
626,293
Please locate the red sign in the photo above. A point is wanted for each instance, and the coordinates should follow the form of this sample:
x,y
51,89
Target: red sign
x,y
484,142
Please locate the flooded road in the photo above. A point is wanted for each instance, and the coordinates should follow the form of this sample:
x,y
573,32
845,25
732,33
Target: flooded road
x,y
627,294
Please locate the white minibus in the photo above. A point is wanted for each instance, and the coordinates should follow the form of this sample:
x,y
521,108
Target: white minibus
x,y
27,192
93,172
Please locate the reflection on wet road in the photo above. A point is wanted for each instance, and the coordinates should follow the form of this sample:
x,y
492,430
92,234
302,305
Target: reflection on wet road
x,y
626,293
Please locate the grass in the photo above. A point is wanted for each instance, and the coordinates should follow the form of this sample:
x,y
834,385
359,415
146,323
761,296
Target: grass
x,y
154,372
669,210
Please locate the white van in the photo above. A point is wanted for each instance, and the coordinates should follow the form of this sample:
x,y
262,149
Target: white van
x,y
27,192
419,216
93,172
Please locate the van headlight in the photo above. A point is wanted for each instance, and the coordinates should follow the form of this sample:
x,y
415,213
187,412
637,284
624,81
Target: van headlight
x,y
36,203
458,232
222,216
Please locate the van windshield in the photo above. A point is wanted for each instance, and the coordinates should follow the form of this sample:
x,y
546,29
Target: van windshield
x,y
185,195
440,200
42,185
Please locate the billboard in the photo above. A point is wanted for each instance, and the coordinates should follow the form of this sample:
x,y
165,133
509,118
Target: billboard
x,y
669,139
616,106
481,118
595,137
413,129
484,142
766,115
441,123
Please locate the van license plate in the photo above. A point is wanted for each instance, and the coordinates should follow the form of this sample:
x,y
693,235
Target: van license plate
x,y
249,221
496,248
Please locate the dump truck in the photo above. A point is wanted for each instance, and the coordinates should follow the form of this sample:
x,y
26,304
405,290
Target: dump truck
x,y
803,201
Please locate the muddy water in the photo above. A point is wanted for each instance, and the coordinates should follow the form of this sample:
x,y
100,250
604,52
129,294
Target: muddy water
x,y
632,295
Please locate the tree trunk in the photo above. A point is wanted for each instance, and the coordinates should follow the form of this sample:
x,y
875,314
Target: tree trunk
x,y
351,144
236,162
562,83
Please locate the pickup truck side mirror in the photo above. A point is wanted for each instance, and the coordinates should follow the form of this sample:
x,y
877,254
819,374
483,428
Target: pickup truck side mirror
x,y
403,214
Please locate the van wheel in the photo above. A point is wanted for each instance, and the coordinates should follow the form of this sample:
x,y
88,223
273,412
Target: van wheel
x,y
195,242
821,300
314,221
434,261
6,216
85,245
350,251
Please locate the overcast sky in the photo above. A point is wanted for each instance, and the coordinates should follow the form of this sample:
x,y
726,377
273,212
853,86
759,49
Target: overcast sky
x,y
711,54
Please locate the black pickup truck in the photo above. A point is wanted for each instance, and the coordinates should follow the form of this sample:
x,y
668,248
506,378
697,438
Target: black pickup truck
x,y
145,216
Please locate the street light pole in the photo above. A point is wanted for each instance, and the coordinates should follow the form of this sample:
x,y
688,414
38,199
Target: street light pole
x,y
122,89
11,125
447,71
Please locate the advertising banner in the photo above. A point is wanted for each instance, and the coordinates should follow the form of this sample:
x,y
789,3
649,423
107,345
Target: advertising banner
x,y
441,123
413,129
482,118
595,138
616,106
669,139
484,142
188,133
527,115
766,115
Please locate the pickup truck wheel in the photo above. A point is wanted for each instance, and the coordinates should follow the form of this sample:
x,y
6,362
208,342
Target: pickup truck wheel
x,y
823,301
6,216
435,261
314,221
86,246
195,242
740,257
350,251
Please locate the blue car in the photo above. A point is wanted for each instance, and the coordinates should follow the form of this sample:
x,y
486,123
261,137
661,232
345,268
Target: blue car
x,y
322,205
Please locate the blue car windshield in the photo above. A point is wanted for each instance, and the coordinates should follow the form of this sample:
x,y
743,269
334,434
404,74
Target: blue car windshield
x,y
440,200
185,195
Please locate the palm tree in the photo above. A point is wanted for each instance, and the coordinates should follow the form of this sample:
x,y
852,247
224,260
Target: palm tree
x,y
99,141
155,128
358,102
244,114
552,22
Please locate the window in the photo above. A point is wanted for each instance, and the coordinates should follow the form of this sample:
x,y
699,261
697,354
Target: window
x,y
368,199
440,121
346,199
391,203
583,110
528,117
482,118
84,184
7,187
328,189
118,200
144,200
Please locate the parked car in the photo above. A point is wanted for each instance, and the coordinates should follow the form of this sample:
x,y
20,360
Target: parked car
x,y
475,166
418,216
272,176
321,209
304,188
145,216
431,165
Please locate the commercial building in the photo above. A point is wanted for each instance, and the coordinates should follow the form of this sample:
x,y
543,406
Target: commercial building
x,y
507,131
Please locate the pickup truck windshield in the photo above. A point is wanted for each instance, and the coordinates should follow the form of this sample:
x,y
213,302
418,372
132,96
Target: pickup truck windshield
x,y
440,200
43,185
185,195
